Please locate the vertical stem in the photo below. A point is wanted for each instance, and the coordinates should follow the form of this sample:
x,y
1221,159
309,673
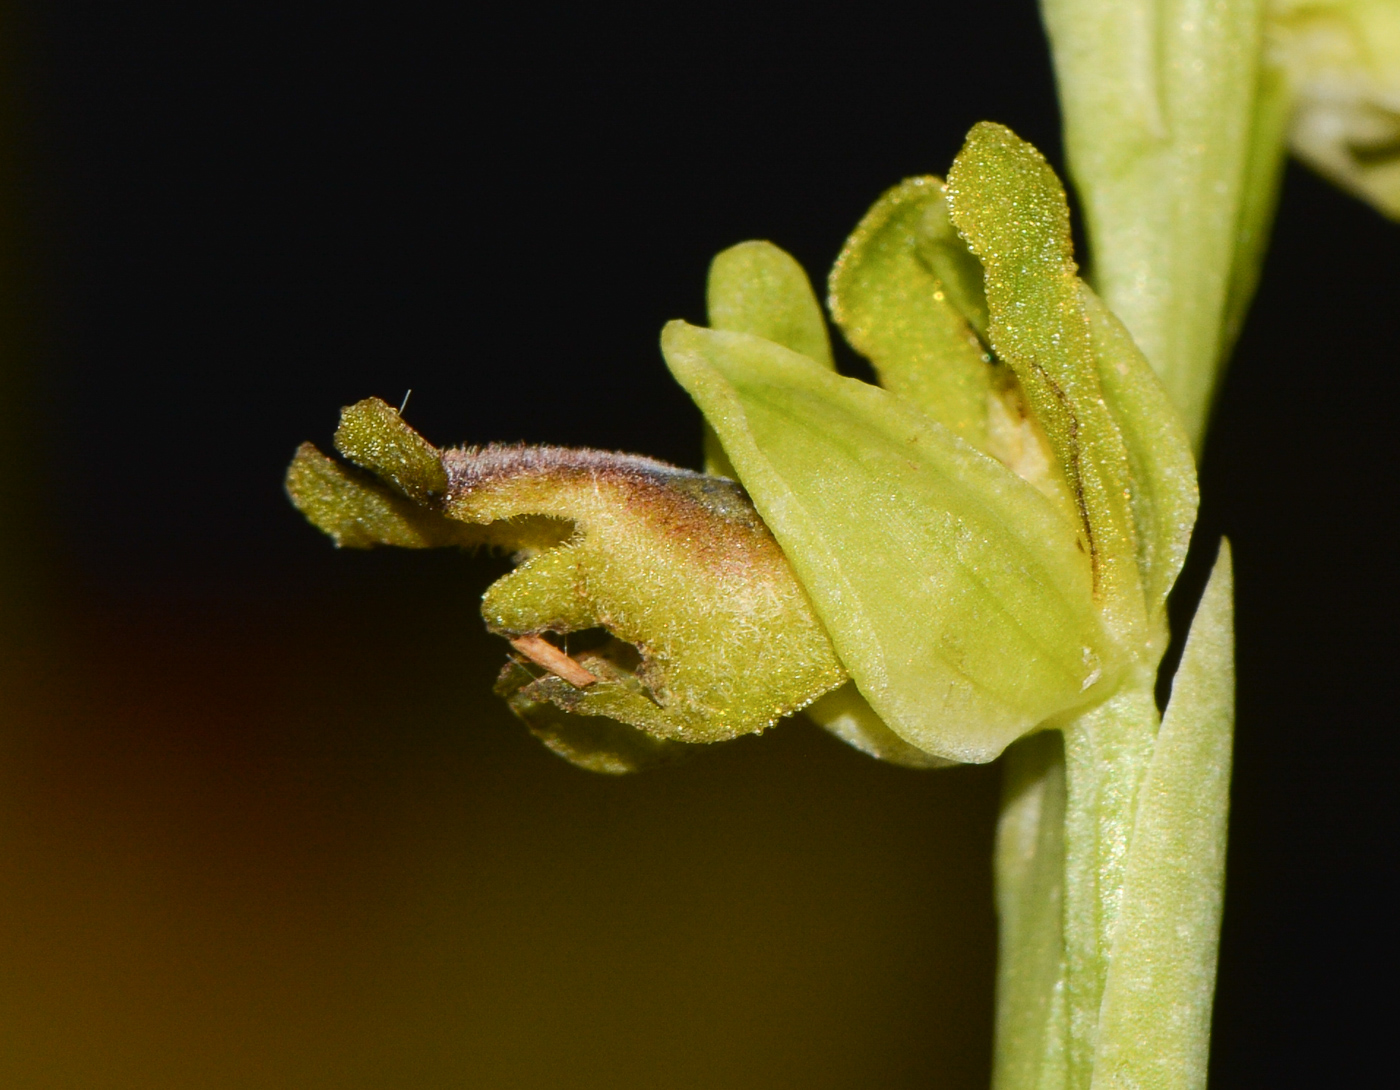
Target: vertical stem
x,y
1030,879
1107,751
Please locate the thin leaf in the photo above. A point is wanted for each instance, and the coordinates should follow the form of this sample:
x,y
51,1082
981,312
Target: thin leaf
x,y
1154,1025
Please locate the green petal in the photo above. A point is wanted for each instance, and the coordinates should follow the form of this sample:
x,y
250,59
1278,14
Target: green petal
x,y
757,288
955,593
1162,470
358,512
894,291
592,742
674,563
373,436
1154,1025
1011,209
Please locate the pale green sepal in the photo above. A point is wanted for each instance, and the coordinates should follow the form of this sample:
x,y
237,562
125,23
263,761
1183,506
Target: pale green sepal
x,y
847,714
954,592
1009,206
1154,1025
1162,471
758,288
1158,99
1029,862
1342,58
895,310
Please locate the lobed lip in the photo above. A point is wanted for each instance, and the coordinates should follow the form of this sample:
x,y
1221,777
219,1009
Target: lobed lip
x,y
711,634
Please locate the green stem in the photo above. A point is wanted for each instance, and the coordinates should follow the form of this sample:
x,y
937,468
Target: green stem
x,y
1062,843
1107,752
1030,881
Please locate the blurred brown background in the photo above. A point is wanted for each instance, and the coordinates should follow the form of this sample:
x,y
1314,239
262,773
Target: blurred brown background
x,y
262,824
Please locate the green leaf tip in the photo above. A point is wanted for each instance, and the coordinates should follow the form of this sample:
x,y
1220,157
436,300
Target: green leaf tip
x,y
711,636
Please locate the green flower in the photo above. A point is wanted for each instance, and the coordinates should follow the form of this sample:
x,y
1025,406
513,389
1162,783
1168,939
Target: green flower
x,y
983,544
1342,61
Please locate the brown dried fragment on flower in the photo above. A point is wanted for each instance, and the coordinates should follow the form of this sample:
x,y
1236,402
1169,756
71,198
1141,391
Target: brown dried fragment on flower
x,y
709,634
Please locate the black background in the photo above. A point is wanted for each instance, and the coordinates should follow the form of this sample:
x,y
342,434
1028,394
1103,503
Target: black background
x,y
263,825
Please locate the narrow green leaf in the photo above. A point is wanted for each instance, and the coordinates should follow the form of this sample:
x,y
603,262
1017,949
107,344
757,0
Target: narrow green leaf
x,y
896,309
1030,879
1107,753
1158,98
1162,471
954,592
1009,206
757,288
1154,1025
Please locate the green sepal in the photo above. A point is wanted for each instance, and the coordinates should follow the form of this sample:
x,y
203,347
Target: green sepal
x,y
1154,1020
849,716
1006,201
757,288
894,292
955,593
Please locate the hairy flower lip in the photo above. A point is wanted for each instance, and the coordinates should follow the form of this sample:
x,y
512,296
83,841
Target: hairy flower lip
x,y
711,635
